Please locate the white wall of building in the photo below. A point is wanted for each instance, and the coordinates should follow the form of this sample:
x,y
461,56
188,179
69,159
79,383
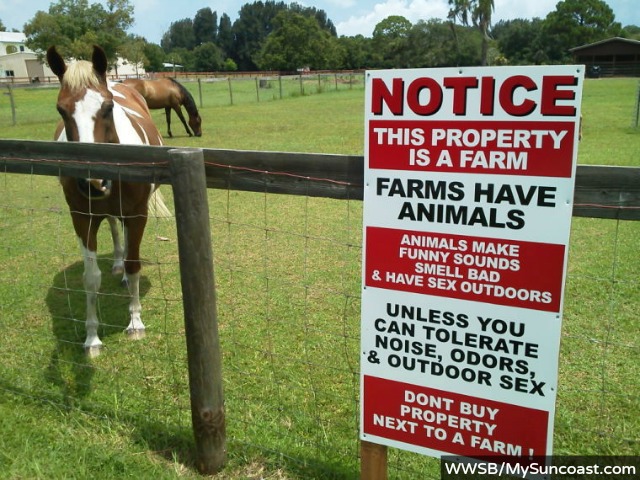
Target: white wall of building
x,y
21,63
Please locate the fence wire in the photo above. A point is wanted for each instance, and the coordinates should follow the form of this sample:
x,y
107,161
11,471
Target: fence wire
x,y
288,288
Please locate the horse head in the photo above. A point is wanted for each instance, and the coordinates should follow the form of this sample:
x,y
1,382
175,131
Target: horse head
x,y
195,122
84,101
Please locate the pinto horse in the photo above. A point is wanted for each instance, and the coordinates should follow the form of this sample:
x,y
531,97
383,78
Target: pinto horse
x,y
169,94
94,110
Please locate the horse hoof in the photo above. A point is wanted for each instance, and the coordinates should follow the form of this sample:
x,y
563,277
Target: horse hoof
x,y
93,351
117,270
135,334
124,283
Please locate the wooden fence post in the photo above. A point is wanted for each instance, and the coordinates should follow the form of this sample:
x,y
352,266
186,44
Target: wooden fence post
x,y
198,291
637,119
373,461
13,105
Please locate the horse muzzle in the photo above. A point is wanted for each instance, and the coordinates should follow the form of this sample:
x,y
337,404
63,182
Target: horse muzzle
x,y
94,189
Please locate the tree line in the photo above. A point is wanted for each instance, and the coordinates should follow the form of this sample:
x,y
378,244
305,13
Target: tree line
x,y
275,36
271,35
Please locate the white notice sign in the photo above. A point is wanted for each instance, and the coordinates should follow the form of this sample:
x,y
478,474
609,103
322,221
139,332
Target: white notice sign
x,y
469,178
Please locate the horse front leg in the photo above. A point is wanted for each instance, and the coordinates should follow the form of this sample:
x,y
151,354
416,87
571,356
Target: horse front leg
x,y
92,278
184,122
167,113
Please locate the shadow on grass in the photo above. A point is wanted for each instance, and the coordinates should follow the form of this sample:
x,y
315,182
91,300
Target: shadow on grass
x,y
71,373
70,369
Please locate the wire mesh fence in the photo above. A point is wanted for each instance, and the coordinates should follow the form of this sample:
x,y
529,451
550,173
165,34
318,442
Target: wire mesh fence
x,y
288,285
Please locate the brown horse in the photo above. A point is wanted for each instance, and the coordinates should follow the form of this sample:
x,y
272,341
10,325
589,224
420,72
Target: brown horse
x,y
93,110
169,94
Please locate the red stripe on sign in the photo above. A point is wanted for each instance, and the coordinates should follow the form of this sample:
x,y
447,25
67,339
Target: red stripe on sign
x,y
502,272
450,422
504,148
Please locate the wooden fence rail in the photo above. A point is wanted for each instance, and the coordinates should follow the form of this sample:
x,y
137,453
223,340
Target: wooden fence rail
x,y
601,191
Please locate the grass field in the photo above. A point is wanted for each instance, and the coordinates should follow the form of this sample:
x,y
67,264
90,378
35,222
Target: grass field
x,y
288,283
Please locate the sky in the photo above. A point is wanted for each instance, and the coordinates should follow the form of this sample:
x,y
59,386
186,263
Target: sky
x,y
351,17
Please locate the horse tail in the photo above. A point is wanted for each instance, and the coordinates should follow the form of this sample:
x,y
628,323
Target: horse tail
x,y
187,99
157,207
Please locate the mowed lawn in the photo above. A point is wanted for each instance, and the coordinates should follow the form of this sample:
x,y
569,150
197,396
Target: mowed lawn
x,y
288,286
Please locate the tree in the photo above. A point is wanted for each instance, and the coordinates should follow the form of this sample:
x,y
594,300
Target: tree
x,y
355,52
74,26
2,27
256,21
297,41
390,42
180,35
520,40
394,26
208,57
205,26
250,30
479,12
631,31
229,65
225,35
133,49
118,20
319,15
154,55
575,23
182,56
432,44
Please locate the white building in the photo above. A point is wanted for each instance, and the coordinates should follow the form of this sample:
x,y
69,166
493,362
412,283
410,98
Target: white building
x,y
19,62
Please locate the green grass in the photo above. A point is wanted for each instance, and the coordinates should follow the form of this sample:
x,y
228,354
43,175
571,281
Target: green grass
x,y
288,284
327,123
609,108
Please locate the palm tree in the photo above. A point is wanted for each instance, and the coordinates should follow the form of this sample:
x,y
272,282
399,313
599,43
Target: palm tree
x,y
479,11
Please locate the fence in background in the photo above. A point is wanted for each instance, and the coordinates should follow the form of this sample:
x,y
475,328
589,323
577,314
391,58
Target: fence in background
x,y
216,89
195,76
307,368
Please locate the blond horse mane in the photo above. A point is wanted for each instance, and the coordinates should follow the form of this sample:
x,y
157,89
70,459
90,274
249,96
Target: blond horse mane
x,y
80,75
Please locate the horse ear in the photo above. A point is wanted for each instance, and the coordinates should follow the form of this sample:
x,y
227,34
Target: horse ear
x,y
56,62
99,60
